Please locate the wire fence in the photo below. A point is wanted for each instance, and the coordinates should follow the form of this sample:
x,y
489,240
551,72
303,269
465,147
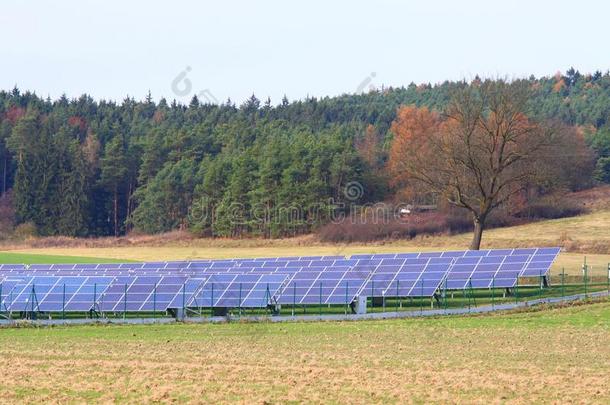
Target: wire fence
x,y
42,301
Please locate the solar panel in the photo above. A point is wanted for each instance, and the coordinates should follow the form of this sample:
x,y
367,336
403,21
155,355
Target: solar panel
x,y
499,267
71,294
259,282
405,277
52,293
140,293
315,285
238,290
540,263
12,287
187,293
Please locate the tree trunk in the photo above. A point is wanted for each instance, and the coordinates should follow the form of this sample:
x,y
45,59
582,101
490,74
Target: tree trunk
x,y
479,225
116,214
4,177
129,193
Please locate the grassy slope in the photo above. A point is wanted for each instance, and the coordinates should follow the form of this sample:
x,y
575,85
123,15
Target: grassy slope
x,y
29,258
585,231
555,355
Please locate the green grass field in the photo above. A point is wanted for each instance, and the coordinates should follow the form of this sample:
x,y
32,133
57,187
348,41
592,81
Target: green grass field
x,y
548,356
29,258
552,355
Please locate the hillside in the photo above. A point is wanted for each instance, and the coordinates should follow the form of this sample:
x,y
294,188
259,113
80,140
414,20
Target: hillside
x,y
584,235
83,167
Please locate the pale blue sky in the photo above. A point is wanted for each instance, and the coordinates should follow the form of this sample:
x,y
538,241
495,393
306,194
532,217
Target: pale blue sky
x,y
110,48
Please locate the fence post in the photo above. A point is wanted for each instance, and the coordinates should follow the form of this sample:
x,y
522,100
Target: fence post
x,y
320,298
421,304
607,281
239,304
212,302
493,292
155,301
294,296
346,295
397,293
445,302
125,303
32,298
584,274
63,303
94,296
516,290
268,298
540,284
183,300
563,278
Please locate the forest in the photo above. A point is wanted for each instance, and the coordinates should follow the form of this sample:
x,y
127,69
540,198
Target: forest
x,y
85,167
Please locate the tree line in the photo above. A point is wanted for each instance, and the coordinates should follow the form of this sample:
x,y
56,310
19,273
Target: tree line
x,y
81,167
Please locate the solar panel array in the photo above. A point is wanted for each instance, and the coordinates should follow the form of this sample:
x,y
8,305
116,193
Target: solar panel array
x,y
257,283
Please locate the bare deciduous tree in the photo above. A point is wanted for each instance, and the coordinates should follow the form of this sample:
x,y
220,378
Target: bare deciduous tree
x,y
481,151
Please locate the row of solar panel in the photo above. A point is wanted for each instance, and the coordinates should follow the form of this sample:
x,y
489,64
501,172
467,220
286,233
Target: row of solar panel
x,y
460,268
533,265
282,261
336,284
135,294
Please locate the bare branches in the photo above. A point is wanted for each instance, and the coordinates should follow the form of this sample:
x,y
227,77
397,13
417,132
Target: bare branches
x,y
479,154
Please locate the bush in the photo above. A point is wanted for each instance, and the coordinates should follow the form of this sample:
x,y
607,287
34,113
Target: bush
x,y
550,207
367,229
26,230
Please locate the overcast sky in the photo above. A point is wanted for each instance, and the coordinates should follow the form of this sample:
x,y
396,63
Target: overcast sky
x,y
110,49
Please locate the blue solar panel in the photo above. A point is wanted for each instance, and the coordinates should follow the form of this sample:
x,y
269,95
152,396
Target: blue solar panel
x,y
314,285
499,267
238,290
540,263
140,293
408,276
302,280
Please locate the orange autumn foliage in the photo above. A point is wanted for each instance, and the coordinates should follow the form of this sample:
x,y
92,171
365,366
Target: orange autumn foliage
x,y
412,129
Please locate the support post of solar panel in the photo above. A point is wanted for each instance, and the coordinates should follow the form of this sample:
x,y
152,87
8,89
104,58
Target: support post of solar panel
x,y
33,301
471,294
274,308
